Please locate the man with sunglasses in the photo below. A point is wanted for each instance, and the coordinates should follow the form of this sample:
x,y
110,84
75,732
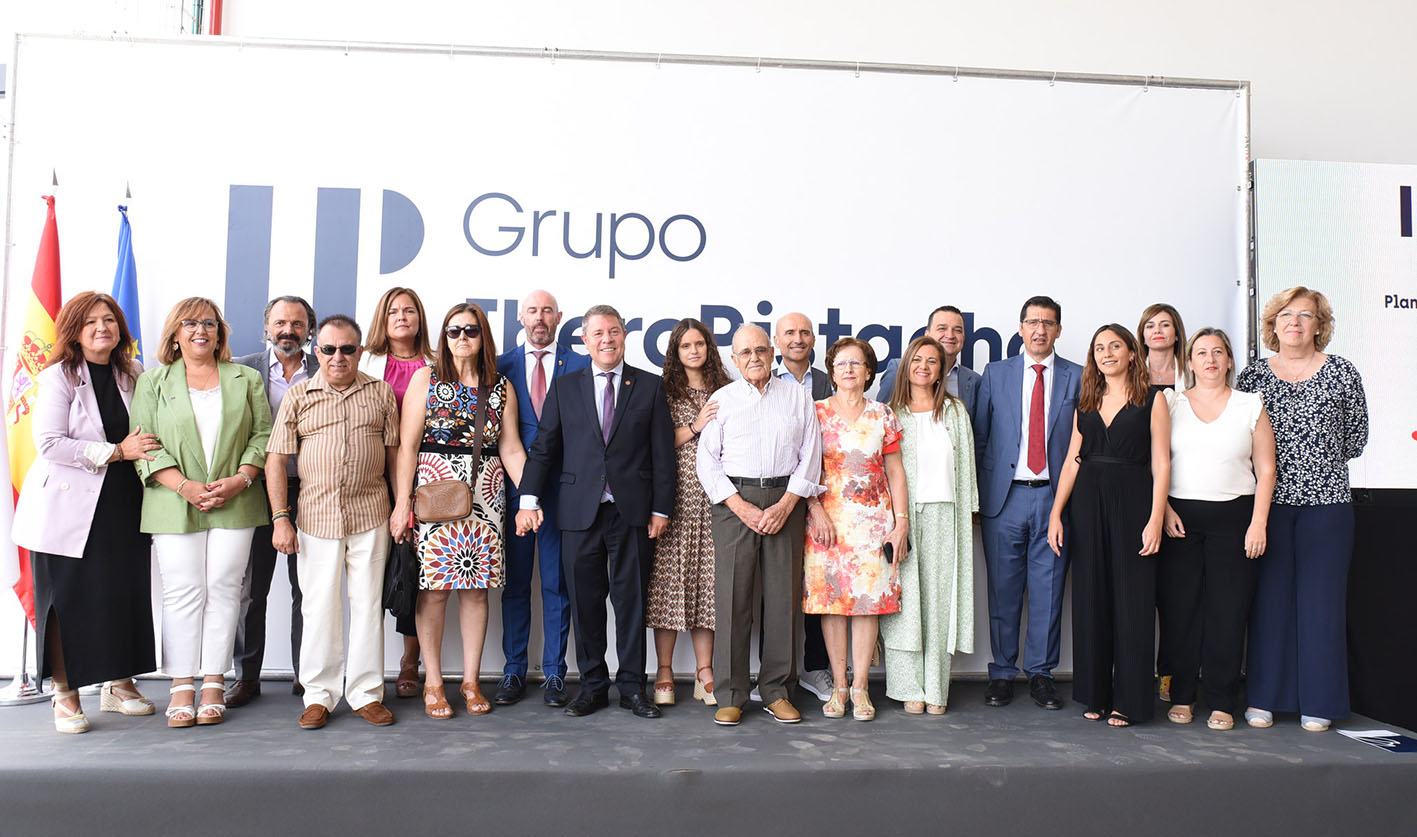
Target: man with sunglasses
x,y
344,425
289,323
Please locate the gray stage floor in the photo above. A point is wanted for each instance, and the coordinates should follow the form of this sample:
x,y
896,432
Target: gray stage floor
x,y
529,768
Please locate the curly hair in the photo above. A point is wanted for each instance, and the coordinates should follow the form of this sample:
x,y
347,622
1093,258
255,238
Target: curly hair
x,y
1283,300
866,351
676,378
1094,383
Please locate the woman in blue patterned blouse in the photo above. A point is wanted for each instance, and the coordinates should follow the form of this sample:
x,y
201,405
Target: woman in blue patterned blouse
x,y
1298,637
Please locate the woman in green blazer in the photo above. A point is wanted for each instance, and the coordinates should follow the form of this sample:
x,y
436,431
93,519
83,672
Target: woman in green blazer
x,y
200,500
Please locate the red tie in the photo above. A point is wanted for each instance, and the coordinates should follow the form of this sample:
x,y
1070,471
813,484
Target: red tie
x,y
1037,456
538,384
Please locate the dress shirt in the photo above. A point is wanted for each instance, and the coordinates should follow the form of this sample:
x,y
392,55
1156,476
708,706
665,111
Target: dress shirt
x,y
1029,376
342,439
952,383
278,386
772,433
548,364
784,373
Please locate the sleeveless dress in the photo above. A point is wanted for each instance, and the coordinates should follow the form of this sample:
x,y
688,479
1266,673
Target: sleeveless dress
x,y
1114,588
681,583
466,554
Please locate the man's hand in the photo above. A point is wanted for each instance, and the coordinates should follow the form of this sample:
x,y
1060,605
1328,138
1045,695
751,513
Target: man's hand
x,y
751,515
529,520
775,516
657,525
283,537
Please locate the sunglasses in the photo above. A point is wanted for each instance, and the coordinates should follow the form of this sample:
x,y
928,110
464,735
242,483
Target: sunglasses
x,y
345,350
466,331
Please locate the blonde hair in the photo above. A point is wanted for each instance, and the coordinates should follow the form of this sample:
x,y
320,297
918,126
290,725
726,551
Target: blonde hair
x,y
1224,338
1283,300
188,309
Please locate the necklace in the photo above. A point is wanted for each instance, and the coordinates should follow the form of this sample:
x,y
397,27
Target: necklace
x,y
1288,373
210,380
398,356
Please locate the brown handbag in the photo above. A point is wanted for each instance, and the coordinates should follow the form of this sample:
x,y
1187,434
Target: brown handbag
x,y
443,500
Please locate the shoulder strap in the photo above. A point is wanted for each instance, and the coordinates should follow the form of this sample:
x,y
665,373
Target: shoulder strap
x,y
479,417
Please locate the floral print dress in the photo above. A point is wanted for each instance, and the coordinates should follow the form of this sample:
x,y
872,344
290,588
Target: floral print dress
x,y
852,577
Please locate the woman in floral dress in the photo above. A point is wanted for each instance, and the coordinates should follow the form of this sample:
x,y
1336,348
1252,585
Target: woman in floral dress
x,y
436,440
847,576
681,583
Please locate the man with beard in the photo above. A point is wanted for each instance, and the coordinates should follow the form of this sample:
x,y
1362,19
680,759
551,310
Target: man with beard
x,y
530,368
946,324
289,323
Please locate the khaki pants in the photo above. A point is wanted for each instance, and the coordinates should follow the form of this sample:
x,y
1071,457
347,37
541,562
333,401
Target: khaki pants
x,y
326,564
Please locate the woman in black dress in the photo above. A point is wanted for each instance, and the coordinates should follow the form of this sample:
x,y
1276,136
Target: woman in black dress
x,y
1116,475
92,587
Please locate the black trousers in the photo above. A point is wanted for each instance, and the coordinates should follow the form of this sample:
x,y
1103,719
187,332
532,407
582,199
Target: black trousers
x,y
250,650
612,559
1205,586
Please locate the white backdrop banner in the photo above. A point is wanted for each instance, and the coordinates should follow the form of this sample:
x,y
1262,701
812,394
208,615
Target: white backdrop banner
x,y
1346,229
724,193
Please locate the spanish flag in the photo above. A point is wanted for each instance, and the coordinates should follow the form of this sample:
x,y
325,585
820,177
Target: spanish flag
x,y
36,345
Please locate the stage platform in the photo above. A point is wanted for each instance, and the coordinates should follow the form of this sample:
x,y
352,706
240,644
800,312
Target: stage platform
x,y
529,769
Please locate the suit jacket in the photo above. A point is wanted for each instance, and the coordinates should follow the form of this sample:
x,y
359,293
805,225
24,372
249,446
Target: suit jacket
x,y
968,384
821,382
258,362
638,461
998,425
60,492
161,405
510,365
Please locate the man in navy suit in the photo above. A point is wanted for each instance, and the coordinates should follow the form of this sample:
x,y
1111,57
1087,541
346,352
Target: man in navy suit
x,y
530,368
1023,419
608,425
946,324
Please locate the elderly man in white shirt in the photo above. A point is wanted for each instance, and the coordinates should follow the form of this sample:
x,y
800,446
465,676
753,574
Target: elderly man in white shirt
x,y
758,457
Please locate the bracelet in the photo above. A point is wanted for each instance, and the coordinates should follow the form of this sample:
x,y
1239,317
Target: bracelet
x,y
178,489
249,481
278,515
120,452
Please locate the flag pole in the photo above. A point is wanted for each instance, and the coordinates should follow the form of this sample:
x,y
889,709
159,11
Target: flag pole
x,y
22,690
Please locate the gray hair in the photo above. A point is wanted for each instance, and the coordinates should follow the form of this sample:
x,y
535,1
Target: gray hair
x,y
604,311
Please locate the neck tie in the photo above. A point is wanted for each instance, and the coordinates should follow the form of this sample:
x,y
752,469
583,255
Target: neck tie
x,y
1037,457
607,405
538,383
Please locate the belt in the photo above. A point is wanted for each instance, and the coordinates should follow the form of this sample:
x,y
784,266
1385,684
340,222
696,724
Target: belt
x,y
1033,483
759,482
1113,460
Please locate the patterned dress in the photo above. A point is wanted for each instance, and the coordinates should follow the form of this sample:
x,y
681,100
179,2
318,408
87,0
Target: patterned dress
x,y
853,578
681,584
468,553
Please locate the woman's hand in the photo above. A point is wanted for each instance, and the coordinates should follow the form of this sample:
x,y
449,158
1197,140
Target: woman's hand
x,y
898,538
705,416
819,525
191,492
1055,533
137,444
1255,540
1151,537
218,493
1173,526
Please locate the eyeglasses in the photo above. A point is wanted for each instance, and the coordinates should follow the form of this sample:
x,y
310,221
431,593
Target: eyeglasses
x,y
345,350
1306,316
755,351
468,331
191,325
1044,323
844,365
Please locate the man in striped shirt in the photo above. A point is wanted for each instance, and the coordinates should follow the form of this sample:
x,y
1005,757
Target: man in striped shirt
x,y
344,426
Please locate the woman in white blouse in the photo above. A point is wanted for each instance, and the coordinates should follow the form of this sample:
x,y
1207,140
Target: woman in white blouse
x,y
1222,480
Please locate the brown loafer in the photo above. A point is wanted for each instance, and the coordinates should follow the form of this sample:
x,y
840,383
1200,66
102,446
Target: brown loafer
x,y
314,717
375,713
728,716
783,711
242,692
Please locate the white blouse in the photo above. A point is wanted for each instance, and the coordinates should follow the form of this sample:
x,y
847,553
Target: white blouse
x,y
934,461
1212,460
206,407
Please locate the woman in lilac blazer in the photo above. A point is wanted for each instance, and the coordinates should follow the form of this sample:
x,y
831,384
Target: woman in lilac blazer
x,y
78,514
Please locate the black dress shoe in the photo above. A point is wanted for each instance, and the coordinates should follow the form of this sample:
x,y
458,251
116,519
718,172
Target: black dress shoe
x,y
586,703
1043,692
999,693
510,690
297,689
640,705
555,688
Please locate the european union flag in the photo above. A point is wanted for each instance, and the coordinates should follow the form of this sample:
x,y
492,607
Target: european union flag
x,y
125,283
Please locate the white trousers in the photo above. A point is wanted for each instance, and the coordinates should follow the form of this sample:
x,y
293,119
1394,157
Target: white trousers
x,y
201,598
326,672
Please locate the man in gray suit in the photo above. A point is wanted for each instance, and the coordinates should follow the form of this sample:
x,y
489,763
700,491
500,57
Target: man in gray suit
x,y
946,324
794,338
289,324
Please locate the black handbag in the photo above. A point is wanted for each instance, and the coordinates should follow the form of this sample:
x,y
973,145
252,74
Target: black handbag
x,y
401,579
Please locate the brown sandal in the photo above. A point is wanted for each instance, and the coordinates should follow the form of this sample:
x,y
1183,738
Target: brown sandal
x,y
435,703
476,703
406,686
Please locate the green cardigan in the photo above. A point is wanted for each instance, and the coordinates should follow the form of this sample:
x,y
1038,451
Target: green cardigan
x,y
161,405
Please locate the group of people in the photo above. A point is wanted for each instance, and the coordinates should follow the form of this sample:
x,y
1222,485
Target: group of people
x,y
782,501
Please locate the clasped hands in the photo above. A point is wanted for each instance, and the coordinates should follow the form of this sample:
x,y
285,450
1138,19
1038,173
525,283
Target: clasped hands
x,y
768,521
213,495
530,520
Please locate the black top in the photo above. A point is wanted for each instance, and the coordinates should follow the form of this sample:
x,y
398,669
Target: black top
x,y
1127,441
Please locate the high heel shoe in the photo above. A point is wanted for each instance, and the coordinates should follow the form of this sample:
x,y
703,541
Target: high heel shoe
x,y
181,715
664,688
111,699
861,707
703,689
212,713
65,719
835,707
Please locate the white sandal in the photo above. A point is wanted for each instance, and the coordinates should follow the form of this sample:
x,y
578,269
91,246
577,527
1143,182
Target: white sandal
x,y
110,699
70,722
184,715
1259,718
219,708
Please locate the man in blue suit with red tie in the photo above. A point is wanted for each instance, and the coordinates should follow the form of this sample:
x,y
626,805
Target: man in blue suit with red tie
x,y
530,368
1023,420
